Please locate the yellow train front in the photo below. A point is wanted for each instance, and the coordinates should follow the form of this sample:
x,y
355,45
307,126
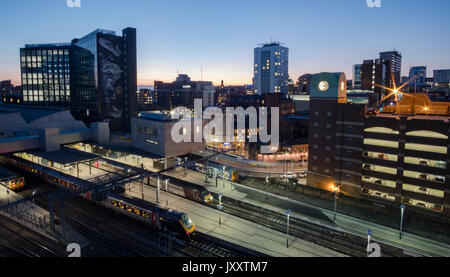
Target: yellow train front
x,y
160,219
11,180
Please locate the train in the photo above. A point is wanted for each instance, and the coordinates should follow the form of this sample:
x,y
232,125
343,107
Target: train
x,y
11,180
177,223
217,170
184,189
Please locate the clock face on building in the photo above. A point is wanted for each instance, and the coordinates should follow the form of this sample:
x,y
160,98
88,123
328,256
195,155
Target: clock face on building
x,y
324,86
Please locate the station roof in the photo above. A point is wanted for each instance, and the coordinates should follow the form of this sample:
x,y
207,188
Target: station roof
x,y
66,157
28,113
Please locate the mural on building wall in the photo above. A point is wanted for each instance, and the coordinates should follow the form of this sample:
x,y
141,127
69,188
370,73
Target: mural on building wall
x,y
111,76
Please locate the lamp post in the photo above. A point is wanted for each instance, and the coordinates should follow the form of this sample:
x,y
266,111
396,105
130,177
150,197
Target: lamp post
x,y
369,233
402,208
223,175
220,208
336,190
267,187
288,213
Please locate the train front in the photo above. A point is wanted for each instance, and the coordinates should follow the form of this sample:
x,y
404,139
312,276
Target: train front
x,y
188,225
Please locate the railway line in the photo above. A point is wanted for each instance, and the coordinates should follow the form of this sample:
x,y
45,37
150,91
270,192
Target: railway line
x,y
349,244
117,235
342,242
26,242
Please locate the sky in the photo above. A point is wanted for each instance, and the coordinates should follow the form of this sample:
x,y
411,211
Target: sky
x,y
219,36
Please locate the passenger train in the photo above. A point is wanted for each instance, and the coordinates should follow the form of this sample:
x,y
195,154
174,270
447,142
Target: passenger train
x,y
159,218
185,189
217,170
11,180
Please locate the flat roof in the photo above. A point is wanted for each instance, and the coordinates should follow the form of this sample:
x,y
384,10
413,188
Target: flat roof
x,y
66,157
29,113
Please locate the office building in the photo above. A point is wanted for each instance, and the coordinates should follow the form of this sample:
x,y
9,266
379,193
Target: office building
x,y
95,77
357,76
399,155
271,69
417,77
10,94
104,78
395,59
376,72
441,76
46,76
182,92
152,132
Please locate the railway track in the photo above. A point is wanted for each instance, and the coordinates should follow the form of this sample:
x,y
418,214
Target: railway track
x,y
27,243
345,243
342,242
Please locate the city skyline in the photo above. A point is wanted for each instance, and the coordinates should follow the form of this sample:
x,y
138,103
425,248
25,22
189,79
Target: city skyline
x,y
214,56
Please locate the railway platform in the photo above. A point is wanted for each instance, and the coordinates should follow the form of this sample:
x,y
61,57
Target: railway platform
x,y
36,218
412,244
236,230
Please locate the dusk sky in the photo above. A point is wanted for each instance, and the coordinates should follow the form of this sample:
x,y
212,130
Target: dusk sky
x,y
220,35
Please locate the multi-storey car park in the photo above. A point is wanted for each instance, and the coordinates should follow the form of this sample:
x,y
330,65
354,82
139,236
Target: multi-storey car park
x,y
397,155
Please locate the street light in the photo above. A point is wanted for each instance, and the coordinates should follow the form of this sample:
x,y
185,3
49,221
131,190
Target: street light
x,y
369,233
336,191
223,175
220,208
288,213
267,186
402,208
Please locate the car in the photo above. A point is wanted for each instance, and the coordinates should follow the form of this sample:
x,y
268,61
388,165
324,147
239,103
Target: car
x,y
303,175
423,176
423,163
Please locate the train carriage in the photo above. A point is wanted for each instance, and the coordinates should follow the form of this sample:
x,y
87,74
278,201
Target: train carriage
x,y
177,223
11,179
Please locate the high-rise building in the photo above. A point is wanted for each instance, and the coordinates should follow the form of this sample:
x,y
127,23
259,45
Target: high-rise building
x,y
395,58
271,69
441,76
95,77
375,72
417,76
357,76
104,78
46,74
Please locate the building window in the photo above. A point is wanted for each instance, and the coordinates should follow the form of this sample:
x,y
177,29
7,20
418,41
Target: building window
x,y
349,154
348,165
348,177
349,129
349,141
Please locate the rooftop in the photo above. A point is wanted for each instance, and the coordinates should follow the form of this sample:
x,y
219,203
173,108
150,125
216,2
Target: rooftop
x,y
29,113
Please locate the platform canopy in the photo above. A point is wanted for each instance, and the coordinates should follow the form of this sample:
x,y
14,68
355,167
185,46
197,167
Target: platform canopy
x,y
67,158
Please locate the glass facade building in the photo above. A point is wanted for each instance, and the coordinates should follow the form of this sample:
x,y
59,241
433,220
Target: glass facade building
x,y
95,77
45,70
